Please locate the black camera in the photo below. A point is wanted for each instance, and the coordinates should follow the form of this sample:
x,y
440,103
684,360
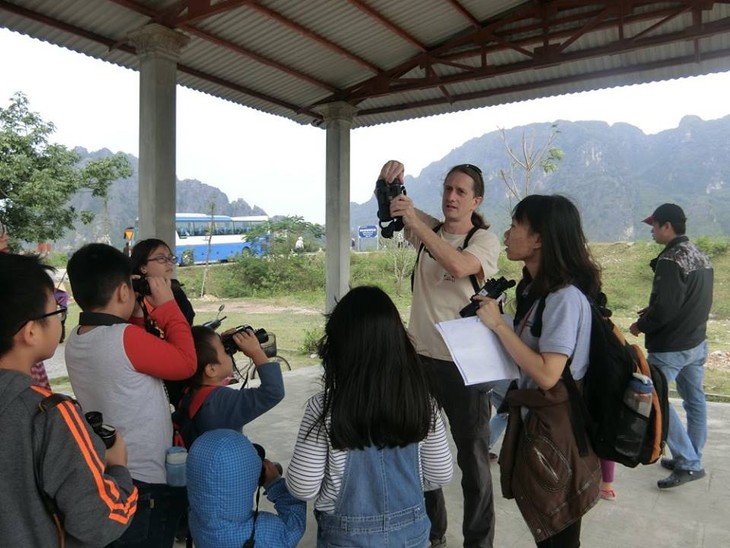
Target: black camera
x,y
141,286
108,434
492,289
385,193
262,453
229,344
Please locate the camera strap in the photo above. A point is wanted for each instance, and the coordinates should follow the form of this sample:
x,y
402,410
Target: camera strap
x,y
472,277
99,318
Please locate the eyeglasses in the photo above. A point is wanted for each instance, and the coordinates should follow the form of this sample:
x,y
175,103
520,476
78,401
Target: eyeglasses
x,y
161,259
62,310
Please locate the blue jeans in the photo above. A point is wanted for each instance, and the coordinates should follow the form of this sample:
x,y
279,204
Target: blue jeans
x,y
687,368
498,422
380,502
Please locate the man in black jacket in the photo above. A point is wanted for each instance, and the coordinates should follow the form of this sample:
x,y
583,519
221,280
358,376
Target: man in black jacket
x,y
675,325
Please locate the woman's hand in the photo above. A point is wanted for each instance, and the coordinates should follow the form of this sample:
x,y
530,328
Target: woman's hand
x,y
160,290
489,312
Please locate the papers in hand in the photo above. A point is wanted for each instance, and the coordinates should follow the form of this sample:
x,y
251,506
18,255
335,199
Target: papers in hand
x,y
477,351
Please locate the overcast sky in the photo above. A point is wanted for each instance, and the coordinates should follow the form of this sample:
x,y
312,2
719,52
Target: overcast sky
x,y
279,165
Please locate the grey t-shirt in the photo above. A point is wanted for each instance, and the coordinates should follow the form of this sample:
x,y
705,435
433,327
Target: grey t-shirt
x,y
566,329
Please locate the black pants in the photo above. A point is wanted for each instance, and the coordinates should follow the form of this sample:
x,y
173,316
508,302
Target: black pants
x,y
159,508
468,410
567,538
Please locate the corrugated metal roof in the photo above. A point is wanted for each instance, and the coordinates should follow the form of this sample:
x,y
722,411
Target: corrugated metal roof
x,y
397,59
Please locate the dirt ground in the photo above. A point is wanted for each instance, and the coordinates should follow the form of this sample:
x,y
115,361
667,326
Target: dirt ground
x,y
719,360
209,306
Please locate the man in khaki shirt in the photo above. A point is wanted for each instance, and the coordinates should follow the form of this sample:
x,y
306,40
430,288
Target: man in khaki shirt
x,y
442,286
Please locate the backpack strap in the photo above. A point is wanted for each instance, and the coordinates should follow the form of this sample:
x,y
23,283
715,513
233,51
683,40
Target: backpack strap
x,y
44,406
472,277
199,399
579,415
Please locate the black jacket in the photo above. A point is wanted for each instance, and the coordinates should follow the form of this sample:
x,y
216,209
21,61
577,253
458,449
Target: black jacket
x,y
681,298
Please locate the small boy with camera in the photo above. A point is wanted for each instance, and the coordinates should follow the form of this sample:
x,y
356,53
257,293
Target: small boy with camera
x,y
208,403
224,471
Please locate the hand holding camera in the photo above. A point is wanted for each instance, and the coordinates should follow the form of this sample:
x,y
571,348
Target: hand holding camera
x,y
384,193
493,288
157,288
248,341
116,449
269,470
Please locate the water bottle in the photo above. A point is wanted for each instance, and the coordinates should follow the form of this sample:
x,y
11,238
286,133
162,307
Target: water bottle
x,y
175,463
633,421
638,395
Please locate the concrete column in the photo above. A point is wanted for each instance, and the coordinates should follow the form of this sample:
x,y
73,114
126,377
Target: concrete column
x,y
158,48
337,121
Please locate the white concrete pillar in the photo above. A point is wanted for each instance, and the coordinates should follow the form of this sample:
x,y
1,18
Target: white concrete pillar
x,y
337,121
158,48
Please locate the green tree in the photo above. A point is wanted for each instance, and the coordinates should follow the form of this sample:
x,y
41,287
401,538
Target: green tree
x,y
37,177
285,231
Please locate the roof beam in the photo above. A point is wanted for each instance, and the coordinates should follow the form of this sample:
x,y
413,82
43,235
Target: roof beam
x,y
311,35
392,27
528,32
509,90
169,18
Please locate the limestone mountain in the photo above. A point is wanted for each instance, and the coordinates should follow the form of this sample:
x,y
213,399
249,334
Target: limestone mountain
x,y
121,208
616,174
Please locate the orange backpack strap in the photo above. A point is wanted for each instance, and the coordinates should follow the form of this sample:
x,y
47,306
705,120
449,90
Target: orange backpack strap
x,y
644,369
199,399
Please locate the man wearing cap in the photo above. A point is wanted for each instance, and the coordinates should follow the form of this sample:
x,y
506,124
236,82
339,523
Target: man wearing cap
x,y
674,325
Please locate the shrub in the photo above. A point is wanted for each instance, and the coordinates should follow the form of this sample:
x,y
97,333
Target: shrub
x,y
713,246
311,339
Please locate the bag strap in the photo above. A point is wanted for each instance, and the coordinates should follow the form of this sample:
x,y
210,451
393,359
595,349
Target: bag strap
x,y
472,277
579,415
44,406
199,399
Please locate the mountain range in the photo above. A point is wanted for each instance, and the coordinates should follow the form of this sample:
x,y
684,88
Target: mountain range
x,y
616,174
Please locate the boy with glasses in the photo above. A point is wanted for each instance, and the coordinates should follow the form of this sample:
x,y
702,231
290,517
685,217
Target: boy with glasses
x,y
59,485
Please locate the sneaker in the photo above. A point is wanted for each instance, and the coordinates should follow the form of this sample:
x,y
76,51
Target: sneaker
x,y
678,477
667,463
437,542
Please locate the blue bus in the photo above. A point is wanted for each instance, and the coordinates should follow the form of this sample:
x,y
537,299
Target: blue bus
x,y
227,236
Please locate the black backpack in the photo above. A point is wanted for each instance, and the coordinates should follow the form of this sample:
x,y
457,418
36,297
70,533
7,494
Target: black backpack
x,y
185,429
601,411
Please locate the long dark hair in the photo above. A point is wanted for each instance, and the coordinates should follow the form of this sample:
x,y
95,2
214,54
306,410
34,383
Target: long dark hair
x,y
375,388
477,219
565,258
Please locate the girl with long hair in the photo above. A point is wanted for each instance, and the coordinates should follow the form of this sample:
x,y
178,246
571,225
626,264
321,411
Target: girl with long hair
x,y
549,340
373,439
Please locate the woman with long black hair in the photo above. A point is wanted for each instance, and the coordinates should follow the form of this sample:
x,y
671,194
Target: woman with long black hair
x,y
553,482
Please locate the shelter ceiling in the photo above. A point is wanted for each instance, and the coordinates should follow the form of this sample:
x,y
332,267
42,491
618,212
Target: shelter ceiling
x,y
396,59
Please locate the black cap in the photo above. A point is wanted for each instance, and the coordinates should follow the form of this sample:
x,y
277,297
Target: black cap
x,y
666,213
